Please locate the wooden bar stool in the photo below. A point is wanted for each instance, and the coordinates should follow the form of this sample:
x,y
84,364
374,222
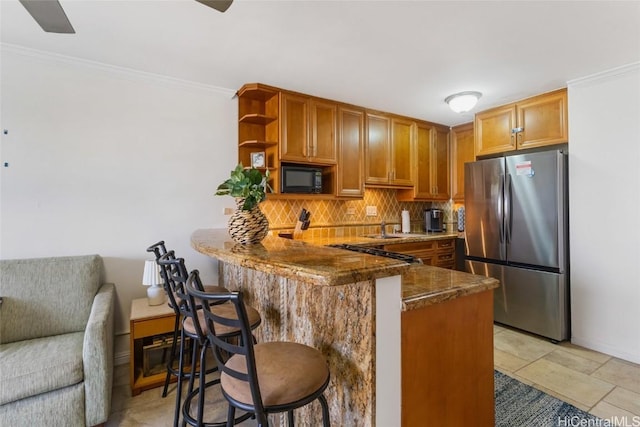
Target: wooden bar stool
x,y
262,378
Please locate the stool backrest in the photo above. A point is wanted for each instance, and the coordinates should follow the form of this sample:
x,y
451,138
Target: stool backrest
x,y
222,347
176,276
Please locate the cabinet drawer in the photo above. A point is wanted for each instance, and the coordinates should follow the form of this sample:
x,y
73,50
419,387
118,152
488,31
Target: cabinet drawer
x,y
446,257
146,328
445,245
410,247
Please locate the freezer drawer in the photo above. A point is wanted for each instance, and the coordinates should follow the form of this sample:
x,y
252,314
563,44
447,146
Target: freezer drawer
x,y
534,301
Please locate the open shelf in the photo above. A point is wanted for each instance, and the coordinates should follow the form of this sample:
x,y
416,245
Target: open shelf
x,y
257,119
254,143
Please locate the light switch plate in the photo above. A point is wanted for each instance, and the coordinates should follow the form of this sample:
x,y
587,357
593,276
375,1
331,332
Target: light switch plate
x,y
372,211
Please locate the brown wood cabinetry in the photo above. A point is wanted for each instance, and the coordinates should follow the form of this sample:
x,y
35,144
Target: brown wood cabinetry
x,y
430,164
258,127
350,167
308,130
440,164
447,358
438,253
461,152
534,122
389,151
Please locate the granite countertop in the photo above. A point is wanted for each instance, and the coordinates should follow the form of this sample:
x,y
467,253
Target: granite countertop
x,y
295,259
310,261
424,285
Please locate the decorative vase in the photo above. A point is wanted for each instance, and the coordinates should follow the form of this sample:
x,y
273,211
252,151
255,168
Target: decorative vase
x,y
248,227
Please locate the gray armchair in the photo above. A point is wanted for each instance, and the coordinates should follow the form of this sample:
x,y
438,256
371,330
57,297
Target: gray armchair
x,y
56,342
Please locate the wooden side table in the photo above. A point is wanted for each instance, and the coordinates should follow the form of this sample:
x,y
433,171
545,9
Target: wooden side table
x,y
150,327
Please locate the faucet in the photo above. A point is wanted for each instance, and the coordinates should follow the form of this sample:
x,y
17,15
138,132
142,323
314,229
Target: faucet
x,y
383,231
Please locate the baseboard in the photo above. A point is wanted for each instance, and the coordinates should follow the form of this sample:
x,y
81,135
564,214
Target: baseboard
x,y
121,358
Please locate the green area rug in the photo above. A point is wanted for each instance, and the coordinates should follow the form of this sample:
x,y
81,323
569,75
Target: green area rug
x,y
520,405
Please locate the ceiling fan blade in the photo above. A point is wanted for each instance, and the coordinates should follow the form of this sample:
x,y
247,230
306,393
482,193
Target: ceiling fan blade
x,y
219,5
49,15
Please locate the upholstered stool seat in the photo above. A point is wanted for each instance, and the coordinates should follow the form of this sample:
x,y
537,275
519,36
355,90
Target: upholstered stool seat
x,y
287,372
226,310
264,378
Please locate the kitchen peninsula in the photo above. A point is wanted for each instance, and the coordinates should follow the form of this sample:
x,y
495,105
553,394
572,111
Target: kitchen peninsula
x,y
405,343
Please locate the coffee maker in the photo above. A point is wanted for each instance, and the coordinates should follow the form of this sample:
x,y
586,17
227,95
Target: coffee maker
x,y
433,220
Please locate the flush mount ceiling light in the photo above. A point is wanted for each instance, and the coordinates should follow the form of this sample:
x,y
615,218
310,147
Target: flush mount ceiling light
x,y
463,101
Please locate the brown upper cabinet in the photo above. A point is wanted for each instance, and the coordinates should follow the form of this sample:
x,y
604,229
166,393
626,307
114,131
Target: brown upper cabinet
x,y
388,151
430,164
461,152
308,130
350,166
534,122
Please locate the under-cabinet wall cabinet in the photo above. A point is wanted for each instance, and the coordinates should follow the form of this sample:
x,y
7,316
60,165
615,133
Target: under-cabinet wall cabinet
x,y
350,166
533,122
308,130
388,150
461,138
430,164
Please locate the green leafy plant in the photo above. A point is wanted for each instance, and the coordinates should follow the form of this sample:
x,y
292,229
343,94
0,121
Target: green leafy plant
x,y
246,183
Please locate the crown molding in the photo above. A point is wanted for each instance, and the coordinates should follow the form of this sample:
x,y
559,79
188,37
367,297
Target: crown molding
x,y
604,75
116,70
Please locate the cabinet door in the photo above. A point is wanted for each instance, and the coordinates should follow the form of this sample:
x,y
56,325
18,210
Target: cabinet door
x,y
461,152
493,130
440,164
350,168
422,179
377,161
294,138
401,152
543,120
323,132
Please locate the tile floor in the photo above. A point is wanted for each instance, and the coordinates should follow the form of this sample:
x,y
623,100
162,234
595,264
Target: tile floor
x,y
594,382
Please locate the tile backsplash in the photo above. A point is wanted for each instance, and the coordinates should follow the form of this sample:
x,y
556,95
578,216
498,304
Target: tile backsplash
x,y
283,214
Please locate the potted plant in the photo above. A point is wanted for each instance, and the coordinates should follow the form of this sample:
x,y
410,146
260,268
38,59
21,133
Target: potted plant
x,y
247,224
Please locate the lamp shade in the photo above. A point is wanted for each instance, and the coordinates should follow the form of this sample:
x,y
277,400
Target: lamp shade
x,y
463,101
151,275
151,278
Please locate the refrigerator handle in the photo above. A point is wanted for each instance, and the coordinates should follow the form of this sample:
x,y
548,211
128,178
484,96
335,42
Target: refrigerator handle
x,y
500,207
507,209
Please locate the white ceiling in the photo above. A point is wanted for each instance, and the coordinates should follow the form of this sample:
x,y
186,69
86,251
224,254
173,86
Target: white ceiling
x,y
398,56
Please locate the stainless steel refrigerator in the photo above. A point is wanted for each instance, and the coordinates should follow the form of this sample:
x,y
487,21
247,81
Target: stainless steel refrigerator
x,y
516,229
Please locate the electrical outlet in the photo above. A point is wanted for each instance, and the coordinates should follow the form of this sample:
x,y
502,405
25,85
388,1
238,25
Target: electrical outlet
x,y
228,211
372,211
351,211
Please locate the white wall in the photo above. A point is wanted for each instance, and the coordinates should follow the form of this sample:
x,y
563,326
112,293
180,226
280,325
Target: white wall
x,y
109,161
604,163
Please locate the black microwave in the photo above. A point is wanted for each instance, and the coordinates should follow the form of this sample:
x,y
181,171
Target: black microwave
x,y
300,179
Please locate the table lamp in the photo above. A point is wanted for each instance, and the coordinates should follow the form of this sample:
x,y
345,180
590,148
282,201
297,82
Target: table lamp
x,y
151,278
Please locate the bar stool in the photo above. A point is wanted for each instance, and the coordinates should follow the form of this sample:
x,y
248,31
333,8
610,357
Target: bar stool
x,y
260,378
192,327
159,249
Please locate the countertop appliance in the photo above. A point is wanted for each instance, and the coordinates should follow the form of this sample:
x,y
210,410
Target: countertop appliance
x,y
300,179
433,220
516,229
410,259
